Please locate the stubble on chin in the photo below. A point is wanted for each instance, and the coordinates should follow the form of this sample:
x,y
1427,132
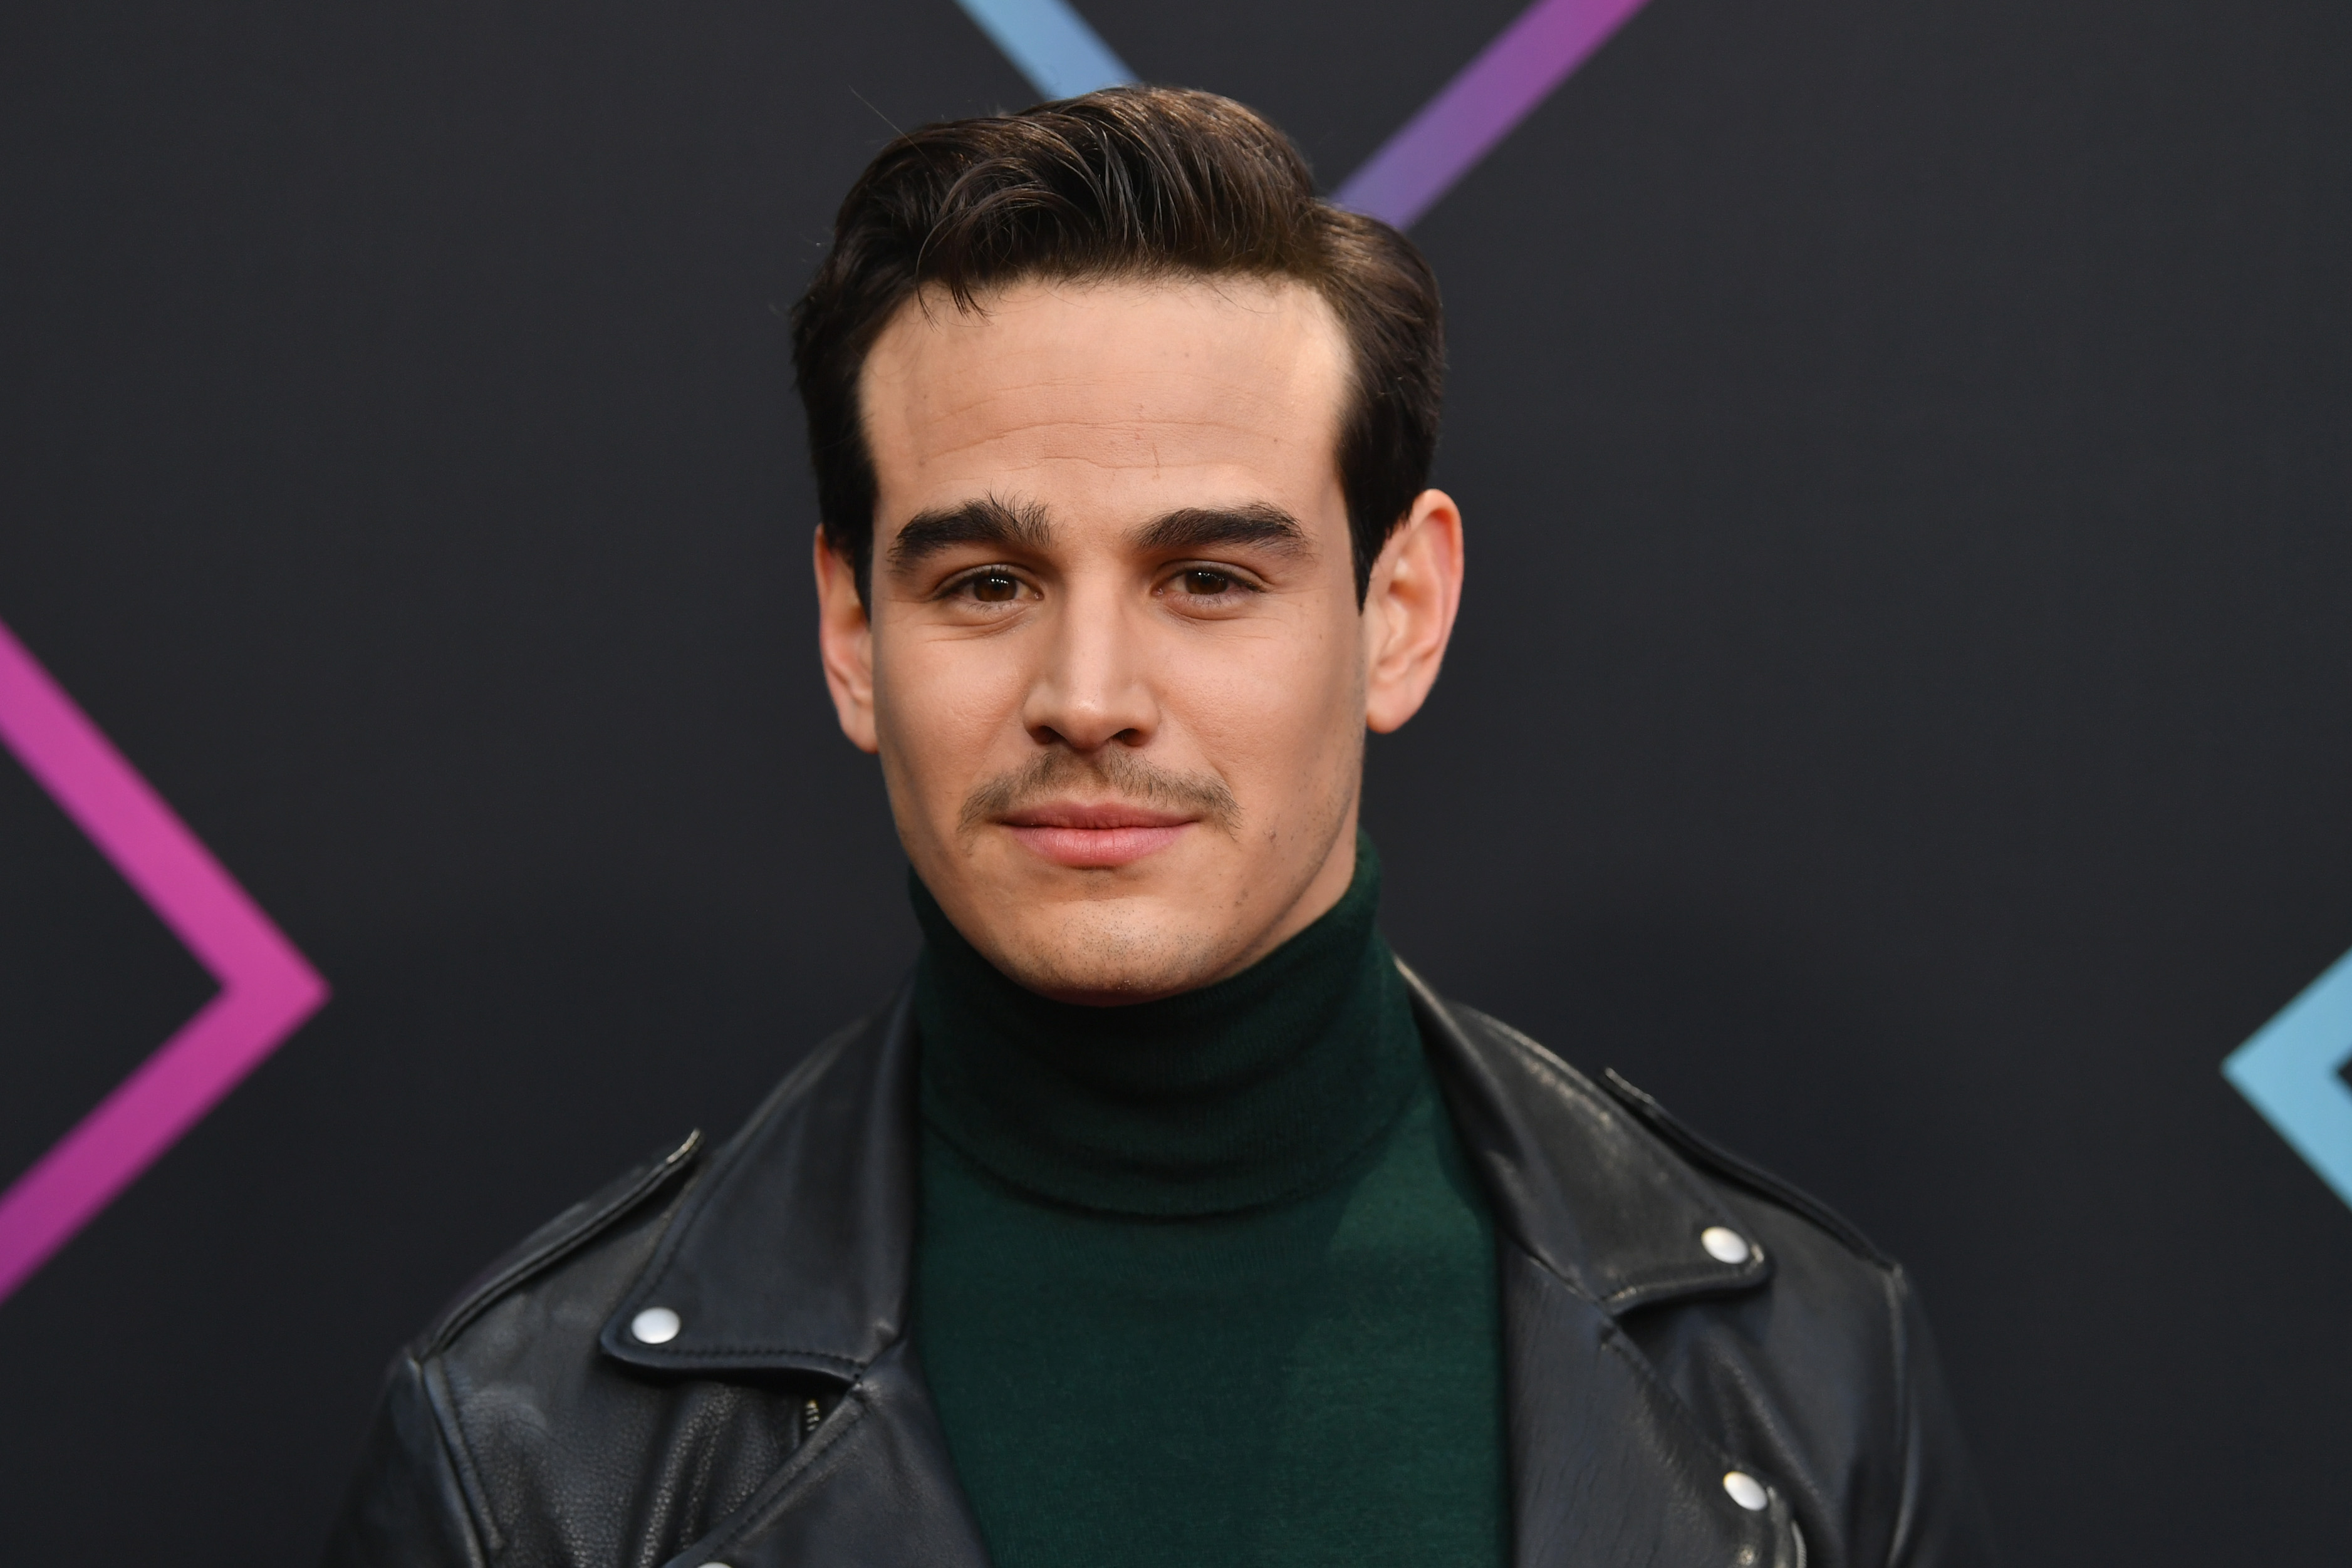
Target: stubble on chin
x,y
1112,950
1098,952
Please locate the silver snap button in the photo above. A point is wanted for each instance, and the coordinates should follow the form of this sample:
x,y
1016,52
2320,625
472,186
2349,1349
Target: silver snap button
x,y
1744,1489
656,1325
1724,1246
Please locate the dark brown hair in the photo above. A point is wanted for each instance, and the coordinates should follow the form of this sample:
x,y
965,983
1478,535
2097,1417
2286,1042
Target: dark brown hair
x,y
1128,181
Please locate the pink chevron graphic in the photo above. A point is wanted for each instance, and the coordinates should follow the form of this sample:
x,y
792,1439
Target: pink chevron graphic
x,y
267,988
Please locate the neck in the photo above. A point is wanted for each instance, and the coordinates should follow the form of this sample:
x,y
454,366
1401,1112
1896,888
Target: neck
x,y
1263,1086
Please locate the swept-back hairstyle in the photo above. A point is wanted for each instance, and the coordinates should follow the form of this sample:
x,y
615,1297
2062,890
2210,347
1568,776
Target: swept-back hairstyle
x,y
1125,182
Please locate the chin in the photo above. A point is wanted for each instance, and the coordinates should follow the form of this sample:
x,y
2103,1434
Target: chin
x,y
1088,959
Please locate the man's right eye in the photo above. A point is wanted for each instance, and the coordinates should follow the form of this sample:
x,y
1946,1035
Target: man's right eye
x,y
994,587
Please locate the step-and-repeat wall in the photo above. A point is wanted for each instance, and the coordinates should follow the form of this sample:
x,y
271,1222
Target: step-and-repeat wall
x,y
1902,715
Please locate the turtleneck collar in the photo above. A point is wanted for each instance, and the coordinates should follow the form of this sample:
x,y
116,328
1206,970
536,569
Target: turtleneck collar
x,y
1261,1088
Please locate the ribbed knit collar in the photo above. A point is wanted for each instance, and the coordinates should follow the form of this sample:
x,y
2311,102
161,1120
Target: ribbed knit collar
x,y
1258,1089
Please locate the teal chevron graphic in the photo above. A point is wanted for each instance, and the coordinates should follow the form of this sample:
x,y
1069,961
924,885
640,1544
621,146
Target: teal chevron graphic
x,y
2290,1069
1050,44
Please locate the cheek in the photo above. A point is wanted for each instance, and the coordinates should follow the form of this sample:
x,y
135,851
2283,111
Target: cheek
x,y
1277,715
942,707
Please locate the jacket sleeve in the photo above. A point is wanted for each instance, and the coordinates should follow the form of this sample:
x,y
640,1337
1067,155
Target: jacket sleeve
x,y
406,1506
1940,1521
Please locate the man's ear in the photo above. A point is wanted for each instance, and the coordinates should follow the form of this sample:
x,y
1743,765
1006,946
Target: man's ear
x,y
1408,609
844,643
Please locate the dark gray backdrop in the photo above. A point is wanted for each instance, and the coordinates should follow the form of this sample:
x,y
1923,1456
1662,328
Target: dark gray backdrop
x,y
1899,717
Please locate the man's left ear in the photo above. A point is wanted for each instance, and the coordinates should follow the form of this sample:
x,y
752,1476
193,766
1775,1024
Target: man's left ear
x,y
1408,609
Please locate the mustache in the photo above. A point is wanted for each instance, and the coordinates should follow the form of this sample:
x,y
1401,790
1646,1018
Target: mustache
x,y
1125,775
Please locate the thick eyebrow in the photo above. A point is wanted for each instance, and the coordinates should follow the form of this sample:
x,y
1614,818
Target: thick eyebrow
x,y
987,521
1201,527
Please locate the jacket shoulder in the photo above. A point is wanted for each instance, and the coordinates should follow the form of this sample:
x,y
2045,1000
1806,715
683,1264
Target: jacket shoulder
x,y
1812,1361
1843,1385
568,1233
1721,1164
1616,1193
427,1492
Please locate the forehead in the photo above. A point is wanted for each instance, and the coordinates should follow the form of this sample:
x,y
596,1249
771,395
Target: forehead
x,y
1118,397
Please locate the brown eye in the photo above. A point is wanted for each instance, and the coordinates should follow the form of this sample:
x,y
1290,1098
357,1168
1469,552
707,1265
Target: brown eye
x,y
994,588
1198,581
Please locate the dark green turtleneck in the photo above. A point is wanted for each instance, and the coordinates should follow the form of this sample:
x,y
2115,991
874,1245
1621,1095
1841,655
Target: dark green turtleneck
x,y
1206,1281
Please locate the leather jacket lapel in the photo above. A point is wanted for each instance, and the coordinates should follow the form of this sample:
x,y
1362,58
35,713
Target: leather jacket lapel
x,y
872,1486
793,1255
793,1259
1607,1467
1573,1179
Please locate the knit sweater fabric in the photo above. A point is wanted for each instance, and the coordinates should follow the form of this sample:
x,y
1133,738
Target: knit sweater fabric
x,y
1206,1281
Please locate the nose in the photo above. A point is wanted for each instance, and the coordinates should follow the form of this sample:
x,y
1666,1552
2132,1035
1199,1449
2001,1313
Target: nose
x,y
1091,688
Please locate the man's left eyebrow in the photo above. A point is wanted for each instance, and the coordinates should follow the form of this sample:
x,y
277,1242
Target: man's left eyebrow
x,y
1203,527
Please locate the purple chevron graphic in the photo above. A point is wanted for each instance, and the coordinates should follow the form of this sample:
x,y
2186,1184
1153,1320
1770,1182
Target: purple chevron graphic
x,y
1050,43
268,989
1479,107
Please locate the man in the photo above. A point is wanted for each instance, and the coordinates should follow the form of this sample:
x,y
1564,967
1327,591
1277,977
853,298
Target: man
x,y
1164,1218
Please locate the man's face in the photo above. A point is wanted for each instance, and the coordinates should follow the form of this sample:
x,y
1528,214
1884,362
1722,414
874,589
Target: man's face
x,y
1113,660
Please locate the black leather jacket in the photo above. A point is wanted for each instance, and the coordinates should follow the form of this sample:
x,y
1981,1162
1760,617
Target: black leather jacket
x,y
787,1421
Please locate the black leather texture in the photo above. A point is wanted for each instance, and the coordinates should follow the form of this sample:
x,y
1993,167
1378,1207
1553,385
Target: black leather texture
x,y
786,1422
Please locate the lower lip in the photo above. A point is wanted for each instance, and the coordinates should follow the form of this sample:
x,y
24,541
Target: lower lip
x,y
1093,848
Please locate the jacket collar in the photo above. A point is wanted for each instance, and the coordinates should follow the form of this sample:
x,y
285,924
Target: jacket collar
x,y
794,1251
1581,1185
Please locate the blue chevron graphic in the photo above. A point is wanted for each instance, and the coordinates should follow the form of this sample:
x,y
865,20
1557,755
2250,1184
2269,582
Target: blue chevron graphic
x,y
2289,1071
1051,44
